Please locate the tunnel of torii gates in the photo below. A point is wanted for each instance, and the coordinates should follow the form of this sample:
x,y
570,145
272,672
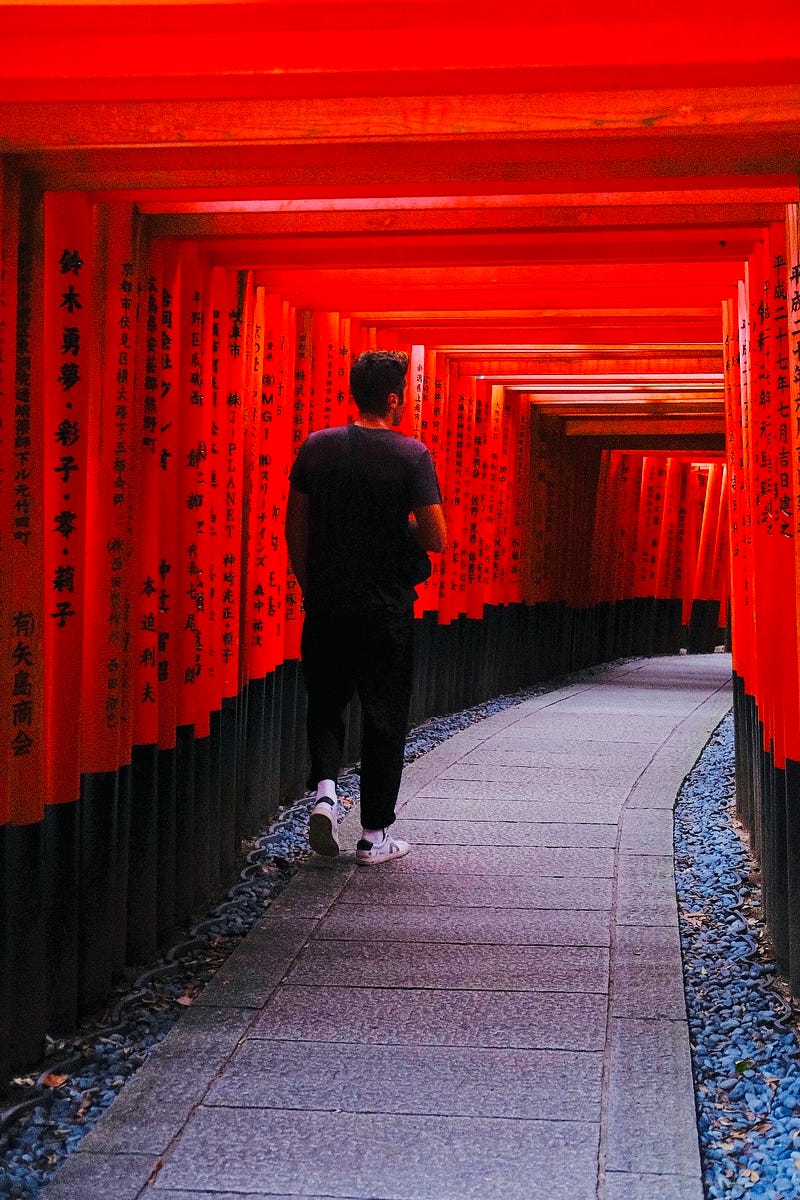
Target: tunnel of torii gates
x,y
583,231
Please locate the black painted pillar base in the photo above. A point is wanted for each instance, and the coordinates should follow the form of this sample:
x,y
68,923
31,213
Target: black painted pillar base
x,y
123,869
142,908
26,945
185,831
98,886
165,857
667,628
60,876
255,803
5,965
230,823
273,735
742,761
703,627
203,857
774,859
624,628
791,779
214,793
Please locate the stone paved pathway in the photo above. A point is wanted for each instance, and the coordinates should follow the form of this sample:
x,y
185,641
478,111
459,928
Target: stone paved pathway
x,y
499,1016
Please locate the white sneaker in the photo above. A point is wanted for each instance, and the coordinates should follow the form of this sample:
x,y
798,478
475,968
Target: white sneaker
x,y
323,836
368,854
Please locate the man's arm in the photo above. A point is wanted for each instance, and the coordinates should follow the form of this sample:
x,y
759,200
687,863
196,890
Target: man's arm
x,y
297,534
430,527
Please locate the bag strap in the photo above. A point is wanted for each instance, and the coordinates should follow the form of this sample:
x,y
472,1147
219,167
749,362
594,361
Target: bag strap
x,y
359,474
356,460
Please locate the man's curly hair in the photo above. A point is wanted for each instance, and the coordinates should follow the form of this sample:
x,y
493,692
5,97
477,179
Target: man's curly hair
x,y
374,376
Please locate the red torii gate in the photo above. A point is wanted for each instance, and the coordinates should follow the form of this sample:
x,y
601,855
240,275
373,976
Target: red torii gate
x,y
585,234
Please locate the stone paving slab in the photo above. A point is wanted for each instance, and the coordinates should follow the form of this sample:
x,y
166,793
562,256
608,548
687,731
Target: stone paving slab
x,y
471,926
560,741
539,780
650,1086
676,669
641,867
617,701
243,1149
594,726
535,785
516,861
416,964
84,1175
488,891
531,752
652,1187
258,964
684,747
182,1194
588,810
453,749
155,1104
564,834
647,831
642,706
428,1017
646,890
413,1080
314,889
647,972
657,787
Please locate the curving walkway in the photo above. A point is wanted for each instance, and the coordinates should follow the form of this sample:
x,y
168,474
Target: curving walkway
x,y
499,1016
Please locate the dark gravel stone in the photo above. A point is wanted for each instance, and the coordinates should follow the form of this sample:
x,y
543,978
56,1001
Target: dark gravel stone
x,y
743,1025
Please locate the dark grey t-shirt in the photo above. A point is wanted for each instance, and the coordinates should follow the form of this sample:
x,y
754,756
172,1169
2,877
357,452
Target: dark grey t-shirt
x,y
358,513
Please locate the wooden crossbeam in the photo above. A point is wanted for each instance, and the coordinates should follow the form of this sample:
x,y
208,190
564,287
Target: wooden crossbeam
x,y
691,444
493,194
364,247
645,427
681,408
495,329
598,362
402,165
244,122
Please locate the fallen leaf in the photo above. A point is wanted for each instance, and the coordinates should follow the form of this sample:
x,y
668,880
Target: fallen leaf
x,y
53,1080
184,1000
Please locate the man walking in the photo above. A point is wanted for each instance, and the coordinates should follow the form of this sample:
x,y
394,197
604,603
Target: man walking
x,y
357,495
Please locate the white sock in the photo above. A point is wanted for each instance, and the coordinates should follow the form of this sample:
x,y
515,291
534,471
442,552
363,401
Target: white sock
x,y
326,789
376,836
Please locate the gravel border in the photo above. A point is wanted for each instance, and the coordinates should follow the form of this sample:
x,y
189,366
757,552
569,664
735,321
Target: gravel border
x,y
743,1025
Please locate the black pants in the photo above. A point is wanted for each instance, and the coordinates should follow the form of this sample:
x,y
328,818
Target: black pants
x,y
369,653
